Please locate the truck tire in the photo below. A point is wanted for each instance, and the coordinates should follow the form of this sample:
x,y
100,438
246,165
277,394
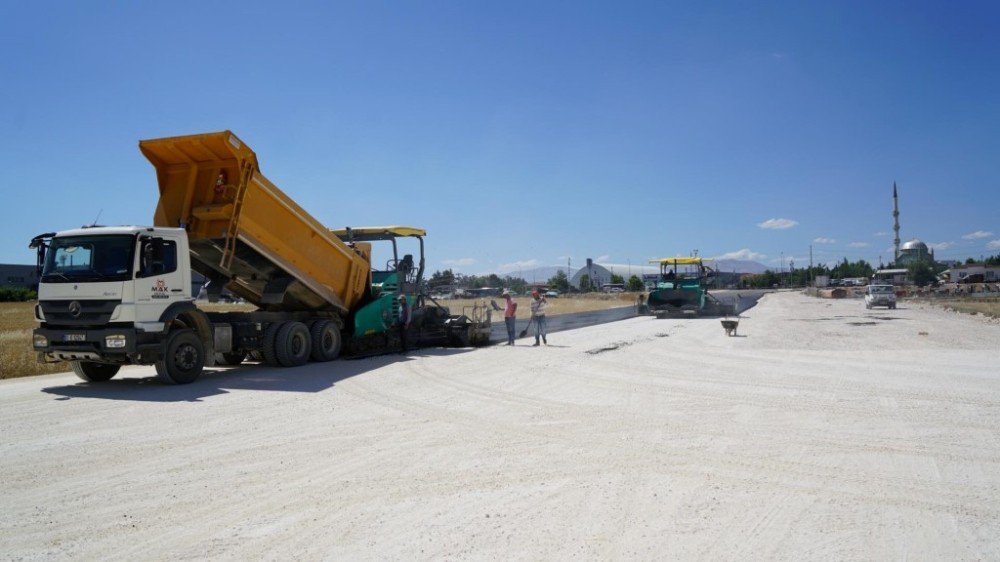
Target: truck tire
x,y
94,372
231,358
267,345
325,340
293,344
183,358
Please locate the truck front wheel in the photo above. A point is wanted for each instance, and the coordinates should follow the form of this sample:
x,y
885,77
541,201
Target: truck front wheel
x,y
94,372
183,358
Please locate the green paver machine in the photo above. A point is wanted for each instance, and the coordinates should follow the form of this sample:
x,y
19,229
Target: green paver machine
x,y
681,289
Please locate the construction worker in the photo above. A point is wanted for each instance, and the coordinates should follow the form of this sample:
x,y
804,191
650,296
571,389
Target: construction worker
x,y
538,305
509,316
404,321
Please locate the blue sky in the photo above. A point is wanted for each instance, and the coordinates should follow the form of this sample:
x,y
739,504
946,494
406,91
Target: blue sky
x,y
520,133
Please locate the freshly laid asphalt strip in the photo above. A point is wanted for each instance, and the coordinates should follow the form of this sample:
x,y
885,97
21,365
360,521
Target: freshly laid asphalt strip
x,y
561,322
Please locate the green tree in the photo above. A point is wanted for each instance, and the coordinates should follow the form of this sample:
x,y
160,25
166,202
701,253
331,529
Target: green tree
x,y
970,261
635,284
559,281
993,260
845,269
762,280
586,285
516,284
441,279
922,273
617,279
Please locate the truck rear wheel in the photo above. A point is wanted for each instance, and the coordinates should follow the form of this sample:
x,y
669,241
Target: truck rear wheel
x,y
267,345
183,358
292,344
325,340
94,372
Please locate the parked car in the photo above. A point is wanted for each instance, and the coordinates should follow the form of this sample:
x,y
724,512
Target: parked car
x,y
551,294
880,295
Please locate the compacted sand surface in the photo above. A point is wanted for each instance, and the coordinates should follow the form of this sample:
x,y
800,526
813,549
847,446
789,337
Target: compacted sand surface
x,y
824,431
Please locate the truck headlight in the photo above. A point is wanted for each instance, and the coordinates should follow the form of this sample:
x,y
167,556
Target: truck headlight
x,y
40,341
116,341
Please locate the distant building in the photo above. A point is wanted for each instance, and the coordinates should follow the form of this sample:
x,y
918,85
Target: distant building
x,y
892,276
16,276
974,272
600,273
914,251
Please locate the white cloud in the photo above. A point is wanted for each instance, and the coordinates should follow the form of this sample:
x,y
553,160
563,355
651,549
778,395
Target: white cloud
x,y
602,259
459,262
941,245
778,224
881,234
744,254
514,266
822,240
858,245
993,245
977,235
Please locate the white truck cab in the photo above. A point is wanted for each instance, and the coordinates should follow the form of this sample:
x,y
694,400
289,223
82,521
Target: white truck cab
x,y
107,296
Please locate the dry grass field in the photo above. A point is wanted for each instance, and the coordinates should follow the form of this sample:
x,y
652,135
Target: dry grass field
x,y
17,359
985,306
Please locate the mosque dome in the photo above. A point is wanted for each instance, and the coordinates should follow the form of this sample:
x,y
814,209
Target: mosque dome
x,y
914,245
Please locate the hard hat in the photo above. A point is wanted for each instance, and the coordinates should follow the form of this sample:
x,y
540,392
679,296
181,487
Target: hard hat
x,y
506,293
402,297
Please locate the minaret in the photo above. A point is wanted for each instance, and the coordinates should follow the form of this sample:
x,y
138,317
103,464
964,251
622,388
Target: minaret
x,y
895,218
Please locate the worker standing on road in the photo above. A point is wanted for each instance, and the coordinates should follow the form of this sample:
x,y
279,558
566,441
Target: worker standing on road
x,y
509,316
404,321
538,315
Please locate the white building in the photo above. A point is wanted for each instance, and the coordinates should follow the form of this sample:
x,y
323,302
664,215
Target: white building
x,y
960,273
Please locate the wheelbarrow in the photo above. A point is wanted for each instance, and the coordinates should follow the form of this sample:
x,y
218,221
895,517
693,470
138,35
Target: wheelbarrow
x,y
729,325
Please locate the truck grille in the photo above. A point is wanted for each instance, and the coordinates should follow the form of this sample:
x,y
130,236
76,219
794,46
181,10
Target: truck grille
x,y
78,312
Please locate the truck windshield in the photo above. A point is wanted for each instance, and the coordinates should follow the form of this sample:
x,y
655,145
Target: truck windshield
x,y
89,258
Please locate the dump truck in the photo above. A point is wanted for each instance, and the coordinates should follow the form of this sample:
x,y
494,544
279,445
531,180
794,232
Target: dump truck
x,y
113,296
682,289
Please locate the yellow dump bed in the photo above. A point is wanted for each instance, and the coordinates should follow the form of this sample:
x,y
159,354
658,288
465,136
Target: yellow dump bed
x,y
246,233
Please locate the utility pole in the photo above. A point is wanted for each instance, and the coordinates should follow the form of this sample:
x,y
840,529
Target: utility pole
x,y
810,265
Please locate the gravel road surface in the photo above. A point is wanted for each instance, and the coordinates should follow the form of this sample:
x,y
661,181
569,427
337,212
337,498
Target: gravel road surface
x,y
823,431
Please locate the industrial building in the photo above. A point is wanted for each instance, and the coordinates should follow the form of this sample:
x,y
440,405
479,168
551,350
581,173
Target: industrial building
x,y
15,276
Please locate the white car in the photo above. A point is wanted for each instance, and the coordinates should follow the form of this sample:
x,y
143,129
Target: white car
x,y
880,295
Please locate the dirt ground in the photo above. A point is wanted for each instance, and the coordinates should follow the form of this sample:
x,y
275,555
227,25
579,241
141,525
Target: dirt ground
x,y
823,431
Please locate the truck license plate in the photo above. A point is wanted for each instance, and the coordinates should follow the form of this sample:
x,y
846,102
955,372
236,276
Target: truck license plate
x,y
74,337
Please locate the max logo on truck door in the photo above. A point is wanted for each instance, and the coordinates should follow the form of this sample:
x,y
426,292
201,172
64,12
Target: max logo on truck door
x,y
159,291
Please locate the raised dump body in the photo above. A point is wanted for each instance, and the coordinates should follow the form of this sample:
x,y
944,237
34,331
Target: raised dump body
x,y
246,234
